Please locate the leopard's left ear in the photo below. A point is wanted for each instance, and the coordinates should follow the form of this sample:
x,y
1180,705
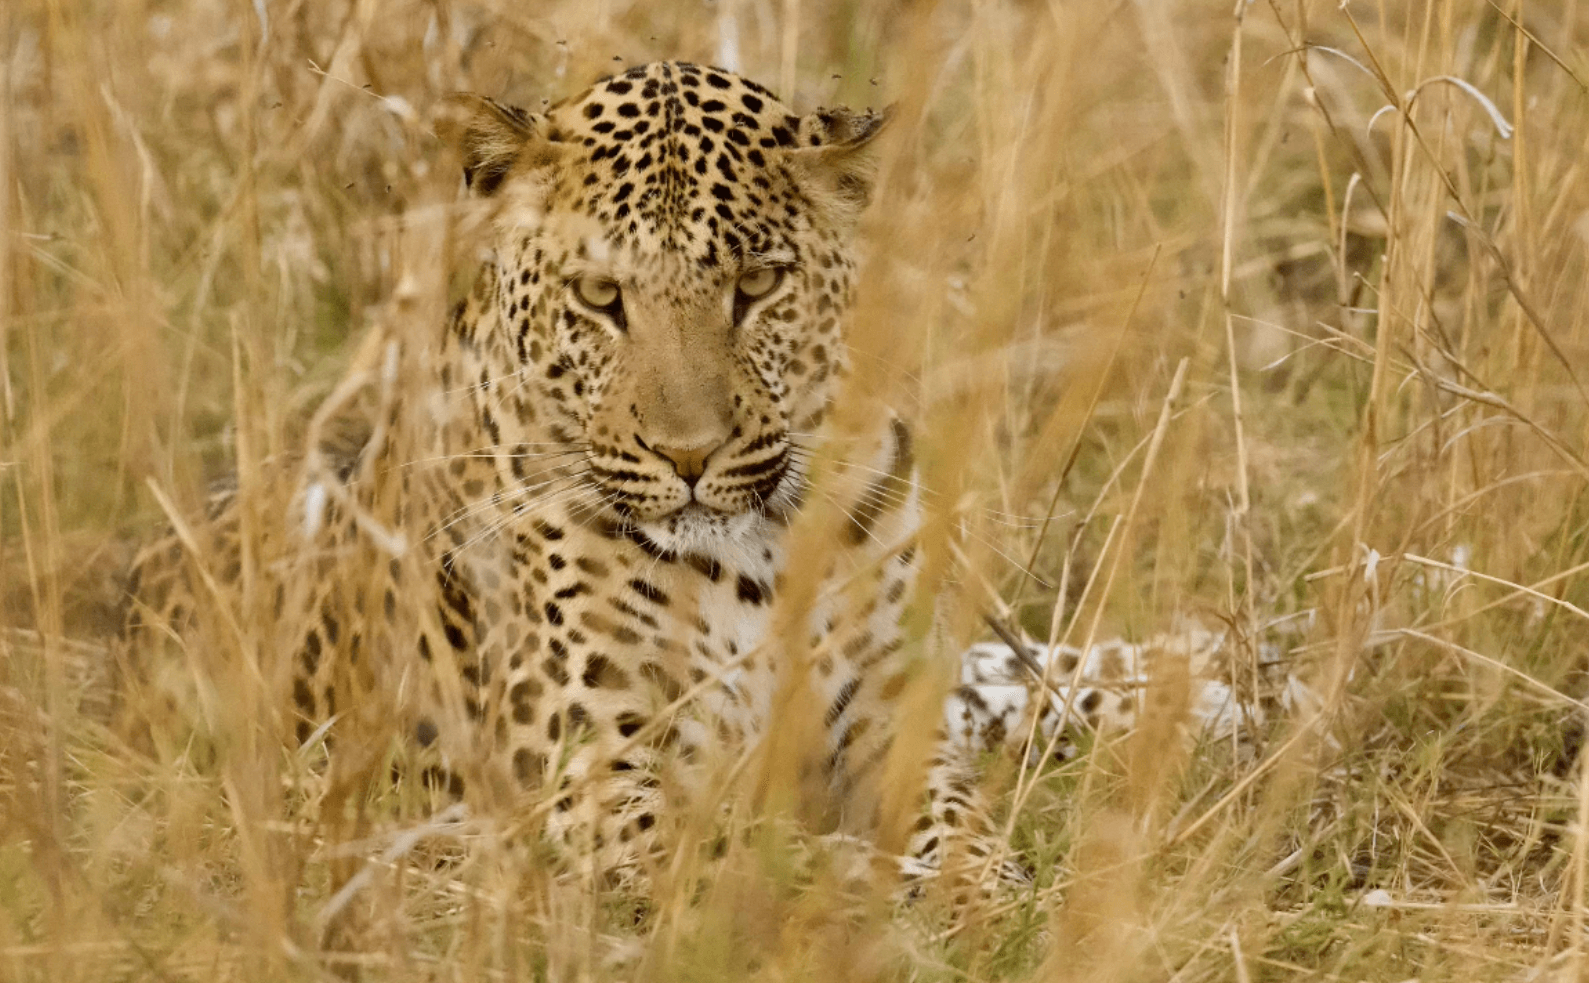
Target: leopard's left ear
x,y
834,151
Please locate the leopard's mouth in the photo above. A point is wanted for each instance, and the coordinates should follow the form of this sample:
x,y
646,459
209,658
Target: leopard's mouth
x,y
773,494
723,507
701,530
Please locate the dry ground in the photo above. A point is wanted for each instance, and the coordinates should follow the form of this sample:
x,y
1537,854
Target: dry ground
x,y
1237,311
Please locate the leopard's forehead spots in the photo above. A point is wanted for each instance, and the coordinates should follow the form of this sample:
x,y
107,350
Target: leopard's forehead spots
x,y
683,158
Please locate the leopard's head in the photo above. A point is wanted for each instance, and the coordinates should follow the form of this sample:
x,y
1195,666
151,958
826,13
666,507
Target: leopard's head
x,y
673,258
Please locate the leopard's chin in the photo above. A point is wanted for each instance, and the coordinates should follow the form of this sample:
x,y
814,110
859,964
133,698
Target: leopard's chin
x,y
698,530
695,518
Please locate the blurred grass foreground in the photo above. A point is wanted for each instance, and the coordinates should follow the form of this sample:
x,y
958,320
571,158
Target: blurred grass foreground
x,y
1271,315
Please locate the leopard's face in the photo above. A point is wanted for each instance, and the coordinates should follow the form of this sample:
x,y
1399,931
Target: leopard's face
x,y
674,257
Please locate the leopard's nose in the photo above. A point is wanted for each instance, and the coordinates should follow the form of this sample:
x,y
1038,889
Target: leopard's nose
x,y
689,463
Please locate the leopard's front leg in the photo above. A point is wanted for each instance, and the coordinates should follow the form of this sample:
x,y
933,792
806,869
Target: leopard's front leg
x,y
868,715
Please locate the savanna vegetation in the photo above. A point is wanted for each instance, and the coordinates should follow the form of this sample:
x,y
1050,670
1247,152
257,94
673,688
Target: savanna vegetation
x,y
1271,315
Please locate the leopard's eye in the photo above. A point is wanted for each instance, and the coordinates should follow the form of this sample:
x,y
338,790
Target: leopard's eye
x,y
759,283
596,292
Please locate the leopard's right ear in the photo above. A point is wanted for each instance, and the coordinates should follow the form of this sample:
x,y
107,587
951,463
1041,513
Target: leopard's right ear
x,y
493,139
833,149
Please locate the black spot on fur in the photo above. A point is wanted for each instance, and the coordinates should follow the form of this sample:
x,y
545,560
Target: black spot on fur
x,y
425,732
556,673
600,673
705,566
750,591
648,591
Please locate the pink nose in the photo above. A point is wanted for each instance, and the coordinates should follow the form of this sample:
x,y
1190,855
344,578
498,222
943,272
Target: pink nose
x,y
689,463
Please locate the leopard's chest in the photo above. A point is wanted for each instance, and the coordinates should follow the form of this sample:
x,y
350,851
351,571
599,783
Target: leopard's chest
x,y
582,635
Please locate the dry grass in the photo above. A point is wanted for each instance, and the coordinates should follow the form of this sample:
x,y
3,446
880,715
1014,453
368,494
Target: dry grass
x,y
1378,317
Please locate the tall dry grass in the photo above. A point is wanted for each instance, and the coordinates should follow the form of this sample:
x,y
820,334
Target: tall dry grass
x,y
1254,313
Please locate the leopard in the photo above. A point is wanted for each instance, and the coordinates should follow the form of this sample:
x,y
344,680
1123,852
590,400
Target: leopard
x,y
565,529
562,548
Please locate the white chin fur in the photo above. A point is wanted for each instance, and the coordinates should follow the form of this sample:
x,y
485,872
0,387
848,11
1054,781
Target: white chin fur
x,y
735,541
